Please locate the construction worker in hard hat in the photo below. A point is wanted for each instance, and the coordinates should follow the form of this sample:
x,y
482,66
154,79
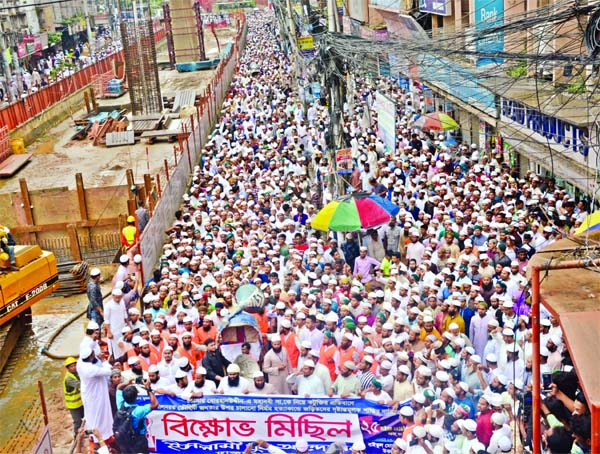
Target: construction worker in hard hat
x,y
129,234
72,393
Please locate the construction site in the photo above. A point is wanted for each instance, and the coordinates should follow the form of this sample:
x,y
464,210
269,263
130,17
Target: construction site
x,y
75,160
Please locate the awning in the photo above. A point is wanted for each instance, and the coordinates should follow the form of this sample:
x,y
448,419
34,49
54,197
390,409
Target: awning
x,y
572,297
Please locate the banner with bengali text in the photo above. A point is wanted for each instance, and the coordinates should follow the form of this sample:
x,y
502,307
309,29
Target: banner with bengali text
x,y
226,424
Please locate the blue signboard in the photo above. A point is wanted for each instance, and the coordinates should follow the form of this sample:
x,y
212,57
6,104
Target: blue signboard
x,y
439,7
227,424
489,13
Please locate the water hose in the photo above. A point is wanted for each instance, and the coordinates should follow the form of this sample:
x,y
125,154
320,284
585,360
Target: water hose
x,y
46,348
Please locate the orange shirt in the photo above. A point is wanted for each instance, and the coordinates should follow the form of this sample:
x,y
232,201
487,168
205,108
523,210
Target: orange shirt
x,y
190,354
263,322
202,335
289,342
158,350
326,357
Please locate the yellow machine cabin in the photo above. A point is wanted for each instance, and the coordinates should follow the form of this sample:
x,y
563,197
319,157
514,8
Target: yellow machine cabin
x,y
33,277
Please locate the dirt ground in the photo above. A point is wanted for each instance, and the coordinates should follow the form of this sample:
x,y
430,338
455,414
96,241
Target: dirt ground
x,y
56,159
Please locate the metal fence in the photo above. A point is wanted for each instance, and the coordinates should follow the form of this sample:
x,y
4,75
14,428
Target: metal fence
x,y
166,199
96,249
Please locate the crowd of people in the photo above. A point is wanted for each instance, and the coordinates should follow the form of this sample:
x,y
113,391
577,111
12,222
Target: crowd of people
x,y
428,314
39,72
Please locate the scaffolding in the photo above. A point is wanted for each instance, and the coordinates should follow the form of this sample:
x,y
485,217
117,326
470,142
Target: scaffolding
x,y
185,31
137,34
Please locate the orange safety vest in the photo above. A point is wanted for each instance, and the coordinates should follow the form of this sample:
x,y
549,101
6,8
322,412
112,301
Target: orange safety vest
x,y
289,343
326,355
348,355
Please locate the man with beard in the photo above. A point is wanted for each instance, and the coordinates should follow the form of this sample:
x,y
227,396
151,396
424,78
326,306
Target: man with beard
x,y
233,384
214,362
200,387
246,361
156,343
453,316
94,376
206,331
347,350
135,372
403,388
146,356
156,381
346,384
168,366
189,349
259,386
276,365
178,388
478,329
364,375
124,343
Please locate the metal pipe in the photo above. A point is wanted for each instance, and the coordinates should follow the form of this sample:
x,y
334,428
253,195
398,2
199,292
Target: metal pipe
x,y
549,265
535,392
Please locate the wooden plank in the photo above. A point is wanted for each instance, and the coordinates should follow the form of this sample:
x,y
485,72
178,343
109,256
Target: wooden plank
x,y
104,222
74,243
83,212
146,117
13,163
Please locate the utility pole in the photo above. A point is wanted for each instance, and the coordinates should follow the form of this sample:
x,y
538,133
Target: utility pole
x,y
90,38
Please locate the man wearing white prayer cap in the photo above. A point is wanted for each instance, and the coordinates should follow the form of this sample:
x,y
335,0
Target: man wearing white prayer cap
x,y
234,384
277,365
115,318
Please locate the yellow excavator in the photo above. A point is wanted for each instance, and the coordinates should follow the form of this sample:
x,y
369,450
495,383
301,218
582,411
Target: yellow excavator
x,y
33,276
27,274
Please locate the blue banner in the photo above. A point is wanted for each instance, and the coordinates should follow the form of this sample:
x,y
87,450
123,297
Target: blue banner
x,y
227,424
489,13
439,7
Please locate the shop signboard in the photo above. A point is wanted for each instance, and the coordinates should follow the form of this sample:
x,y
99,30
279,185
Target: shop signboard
x,y
384,68
439,7
386,119
306,46
227,424
489,13
29,45
560,134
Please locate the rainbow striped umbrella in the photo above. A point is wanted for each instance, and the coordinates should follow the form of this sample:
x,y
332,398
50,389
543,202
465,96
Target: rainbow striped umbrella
x,y
354,212
436,121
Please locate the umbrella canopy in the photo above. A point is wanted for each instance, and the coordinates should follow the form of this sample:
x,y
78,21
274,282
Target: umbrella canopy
x,y
354,212
590,223
436,121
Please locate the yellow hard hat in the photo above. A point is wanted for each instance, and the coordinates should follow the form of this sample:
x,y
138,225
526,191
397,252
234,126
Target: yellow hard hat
x,y
70,360
130,219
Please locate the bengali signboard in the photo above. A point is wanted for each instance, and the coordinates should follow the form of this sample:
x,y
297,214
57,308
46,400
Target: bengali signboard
x,y
227,424
30,45
306,46
386,120
439,7
343,161
489,13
